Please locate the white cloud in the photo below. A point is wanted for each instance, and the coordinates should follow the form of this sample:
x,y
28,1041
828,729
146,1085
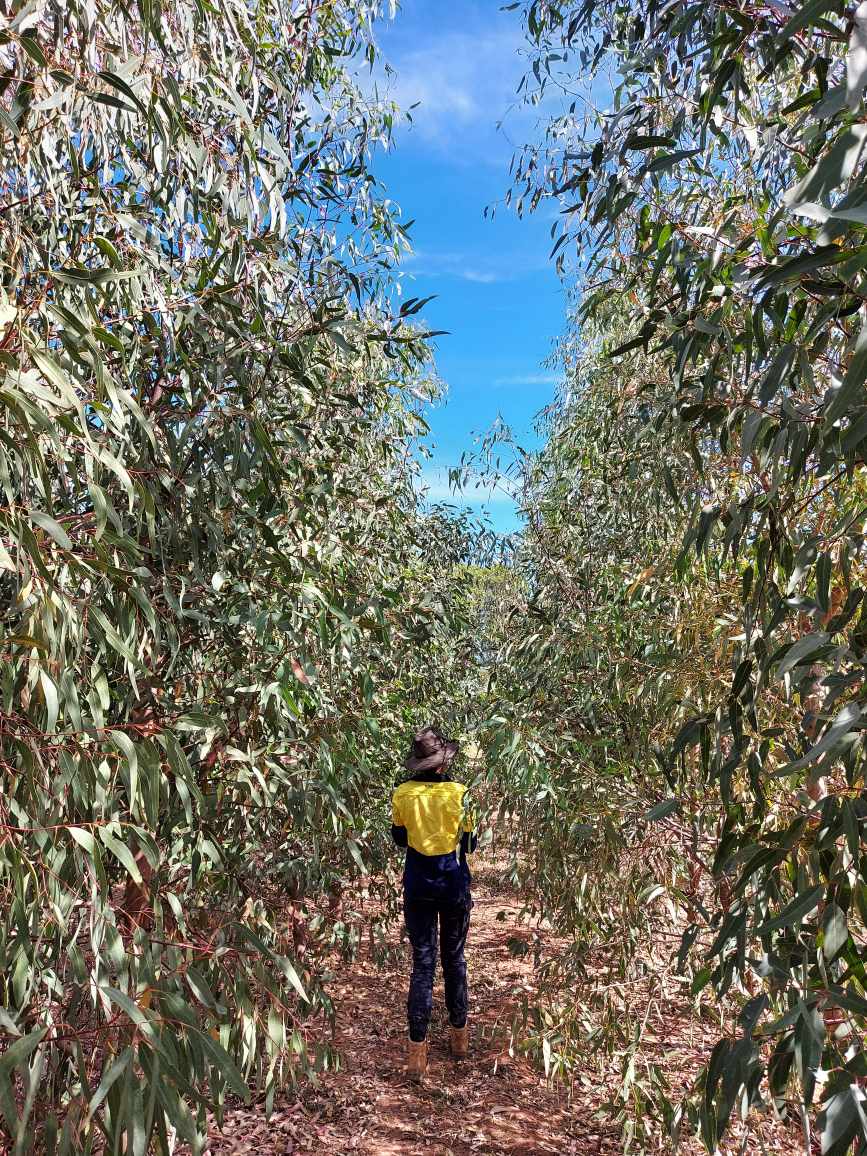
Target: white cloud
x,y
482,269
529,379
459,80
462,81
435,487
458,265
480,277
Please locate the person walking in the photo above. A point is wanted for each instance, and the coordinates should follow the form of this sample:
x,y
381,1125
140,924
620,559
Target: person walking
x,y
430,819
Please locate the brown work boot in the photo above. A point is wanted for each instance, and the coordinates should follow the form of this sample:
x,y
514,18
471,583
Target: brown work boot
x,y
459,1041
416,1060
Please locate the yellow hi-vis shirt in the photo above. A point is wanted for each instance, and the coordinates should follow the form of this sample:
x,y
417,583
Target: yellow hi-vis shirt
x,y
433,814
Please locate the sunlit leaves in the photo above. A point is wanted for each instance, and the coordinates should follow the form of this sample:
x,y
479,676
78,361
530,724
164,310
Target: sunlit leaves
x,y
213,572
724,287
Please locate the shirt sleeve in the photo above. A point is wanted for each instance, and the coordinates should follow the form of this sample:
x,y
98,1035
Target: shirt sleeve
x,y
398,829
468,815
469,842
469,839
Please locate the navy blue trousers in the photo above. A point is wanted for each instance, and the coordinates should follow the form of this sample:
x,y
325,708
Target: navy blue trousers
x,y
422,918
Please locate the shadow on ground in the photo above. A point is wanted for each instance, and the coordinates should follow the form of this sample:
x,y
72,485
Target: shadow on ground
x,y
493,1103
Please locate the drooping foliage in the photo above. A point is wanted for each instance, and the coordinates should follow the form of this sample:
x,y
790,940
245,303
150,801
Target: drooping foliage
x,y
221,605
218,592
682,692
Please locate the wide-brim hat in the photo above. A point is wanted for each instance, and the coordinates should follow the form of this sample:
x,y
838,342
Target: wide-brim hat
x,y
430,751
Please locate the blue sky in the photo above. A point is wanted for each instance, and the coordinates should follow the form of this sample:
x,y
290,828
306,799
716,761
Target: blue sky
x,y
497,292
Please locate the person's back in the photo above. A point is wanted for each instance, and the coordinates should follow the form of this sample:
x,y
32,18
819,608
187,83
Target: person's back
x,y
430,819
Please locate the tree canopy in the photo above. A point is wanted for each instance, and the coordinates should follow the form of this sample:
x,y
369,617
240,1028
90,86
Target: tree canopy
x,y
216,597
688,675
223,603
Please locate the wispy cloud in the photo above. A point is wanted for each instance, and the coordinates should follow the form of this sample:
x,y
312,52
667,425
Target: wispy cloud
x,y
528,379
480,268
460,82
459,85
462,266
480,277
435,485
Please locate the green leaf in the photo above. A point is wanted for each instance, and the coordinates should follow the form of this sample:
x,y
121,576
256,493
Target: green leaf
x,y
58,377
794,912
835,931
200,989
224,1064
856,60
7,122
21,1049
121,85
137,1014
6,562
851,389
835,167
793,268
778,369
355,852
14,1057
847,719
83,838
126,746
51,702
661,810
33,50
805,15
292,975
805,646
700,980
849,999
121,852
842,1120
113,638
52,527
109,1077
857,214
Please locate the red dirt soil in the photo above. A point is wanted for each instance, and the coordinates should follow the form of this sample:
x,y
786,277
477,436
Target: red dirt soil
x,y
495,1102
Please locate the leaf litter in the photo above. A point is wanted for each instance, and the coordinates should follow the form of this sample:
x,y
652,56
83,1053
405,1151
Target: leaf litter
x,y
497,1101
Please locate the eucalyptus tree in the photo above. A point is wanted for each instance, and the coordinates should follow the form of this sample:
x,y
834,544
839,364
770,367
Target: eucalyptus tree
x,y
709,166
604,642
214,569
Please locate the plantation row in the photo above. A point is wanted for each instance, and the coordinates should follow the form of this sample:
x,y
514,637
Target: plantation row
x,y
688,679
218,608
223,605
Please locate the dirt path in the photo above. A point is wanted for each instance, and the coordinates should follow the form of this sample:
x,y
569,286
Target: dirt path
x,y
495,1103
